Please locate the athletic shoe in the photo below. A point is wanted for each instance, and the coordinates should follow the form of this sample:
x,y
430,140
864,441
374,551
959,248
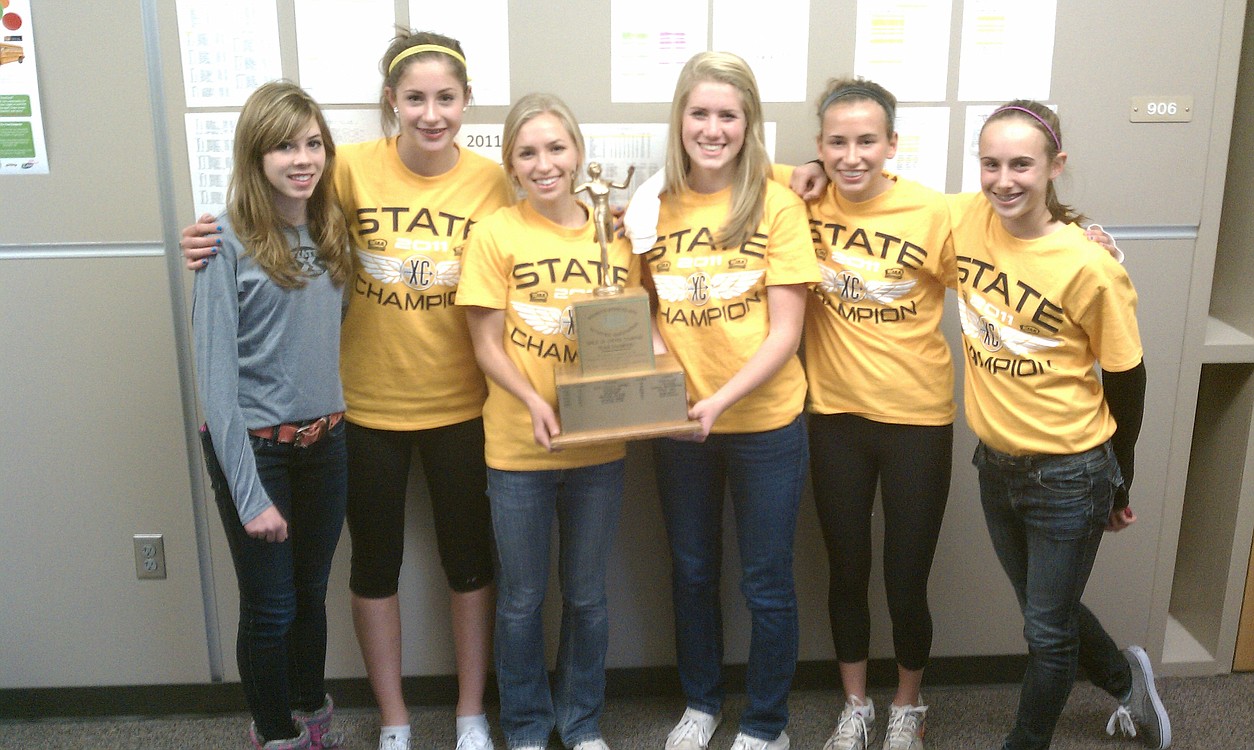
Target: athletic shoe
x,y
905,728
1143,710
299,742
693,731
597,744
474,738
745,742
855,730
392,742
321,735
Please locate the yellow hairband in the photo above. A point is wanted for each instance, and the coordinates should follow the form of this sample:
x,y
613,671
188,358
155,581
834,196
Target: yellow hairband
x,y
417,48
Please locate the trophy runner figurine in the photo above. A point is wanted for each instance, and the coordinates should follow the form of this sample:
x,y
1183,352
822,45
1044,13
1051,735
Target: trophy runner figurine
x,y
599,193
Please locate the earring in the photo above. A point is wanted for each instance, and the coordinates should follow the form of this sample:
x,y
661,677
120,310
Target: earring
x,y
396,110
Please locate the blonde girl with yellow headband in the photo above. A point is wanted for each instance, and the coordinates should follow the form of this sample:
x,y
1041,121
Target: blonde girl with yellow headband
x,y
409,372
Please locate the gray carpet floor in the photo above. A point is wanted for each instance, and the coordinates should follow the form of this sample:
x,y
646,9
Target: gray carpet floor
x,y
1206,712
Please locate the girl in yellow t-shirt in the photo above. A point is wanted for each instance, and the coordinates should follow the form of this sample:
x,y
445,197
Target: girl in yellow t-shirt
x,y
523,266
1040,306
729,267
410,378
880,396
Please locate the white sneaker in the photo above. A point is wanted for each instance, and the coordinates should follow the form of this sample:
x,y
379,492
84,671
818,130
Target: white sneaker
x,y
745,742
905,728
474,738
597,744
693,731
392,742
855,730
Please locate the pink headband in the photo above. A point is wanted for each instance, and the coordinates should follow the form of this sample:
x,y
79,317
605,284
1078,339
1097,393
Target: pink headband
x,y
1041,120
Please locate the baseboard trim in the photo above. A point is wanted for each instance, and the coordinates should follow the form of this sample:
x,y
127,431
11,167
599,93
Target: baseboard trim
x,y
439,690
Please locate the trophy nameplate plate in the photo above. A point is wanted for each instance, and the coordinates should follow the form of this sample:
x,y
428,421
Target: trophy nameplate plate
x,y
622,406
614,332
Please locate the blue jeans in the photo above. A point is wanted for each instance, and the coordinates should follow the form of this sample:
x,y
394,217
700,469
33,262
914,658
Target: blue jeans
x,y
1046,516
586,502
765,472
281,644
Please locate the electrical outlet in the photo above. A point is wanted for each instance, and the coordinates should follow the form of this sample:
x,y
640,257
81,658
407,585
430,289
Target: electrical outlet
x,y
149,556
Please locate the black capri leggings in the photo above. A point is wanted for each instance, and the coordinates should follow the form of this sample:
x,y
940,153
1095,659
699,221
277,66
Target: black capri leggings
x,y
378,477
912,464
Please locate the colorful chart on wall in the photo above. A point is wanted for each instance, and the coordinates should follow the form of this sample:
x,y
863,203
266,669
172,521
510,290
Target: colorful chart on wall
x,y
22,147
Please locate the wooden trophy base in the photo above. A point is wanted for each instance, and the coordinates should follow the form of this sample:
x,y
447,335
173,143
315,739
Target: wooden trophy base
x,y
622,406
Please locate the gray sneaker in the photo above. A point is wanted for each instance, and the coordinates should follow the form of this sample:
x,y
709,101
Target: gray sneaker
x,y
1142,714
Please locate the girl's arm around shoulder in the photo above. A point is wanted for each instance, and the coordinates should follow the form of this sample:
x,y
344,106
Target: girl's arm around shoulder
x,y
790,254
808,180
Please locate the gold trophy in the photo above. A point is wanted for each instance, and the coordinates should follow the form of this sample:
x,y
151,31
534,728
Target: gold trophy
x,y
618,390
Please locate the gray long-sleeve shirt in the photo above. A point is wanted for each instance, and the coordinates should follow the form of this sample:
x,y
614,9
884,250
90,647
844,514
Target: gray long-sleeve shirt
x,y
265,355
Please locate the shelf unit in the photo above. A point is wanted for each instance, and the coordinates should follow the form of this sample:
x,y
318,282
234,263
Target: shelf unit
x,y
1212,578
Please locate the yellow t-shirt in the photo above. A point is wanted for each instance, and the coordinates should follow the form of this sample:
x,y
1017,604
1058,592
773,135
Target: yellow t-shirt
x,y
520,262
1036,316
406,360
873,342
712,309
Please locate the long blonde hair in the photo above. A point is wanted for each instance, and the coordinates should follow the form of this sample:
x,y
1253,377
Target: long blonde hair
x,y
753,165
275,113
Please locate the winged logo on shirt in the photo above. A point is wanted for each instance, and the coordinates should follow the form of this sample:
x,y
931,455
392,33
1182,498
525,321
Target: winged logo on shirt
x,y
851,286
547,320
995,336
700,287
416,271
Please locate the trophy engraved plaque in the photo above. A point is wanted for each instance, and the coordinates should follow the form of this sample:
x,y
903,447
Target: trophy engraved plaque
x,y
618,390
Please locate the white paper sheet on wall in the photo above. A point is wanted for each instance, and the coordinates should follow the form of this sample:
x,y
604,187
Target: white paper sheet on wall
x,y
23,149
922,145
1007,50
482,28
229,47
353,125
903,45
650,40
615,146
210,137
780,66
338,46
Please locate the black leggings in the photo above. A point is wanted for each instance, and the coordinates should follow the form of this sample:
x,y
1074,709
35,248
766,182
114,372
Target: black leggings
x,y
912,464
378,480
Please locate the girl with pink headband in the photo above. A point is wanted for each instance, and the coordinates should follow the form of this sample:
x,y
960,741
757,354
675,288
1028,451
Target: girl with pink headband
x,y
1040,306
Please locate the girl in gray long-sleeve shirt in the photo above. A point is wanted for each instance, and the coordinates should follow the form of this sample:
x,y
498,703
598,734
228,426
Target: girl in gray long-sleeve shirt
x,y
266,321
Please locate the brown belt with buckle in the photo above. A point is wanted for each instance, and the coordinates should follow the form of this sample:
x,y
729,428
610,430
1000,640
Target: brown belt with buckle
x,y
299,435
